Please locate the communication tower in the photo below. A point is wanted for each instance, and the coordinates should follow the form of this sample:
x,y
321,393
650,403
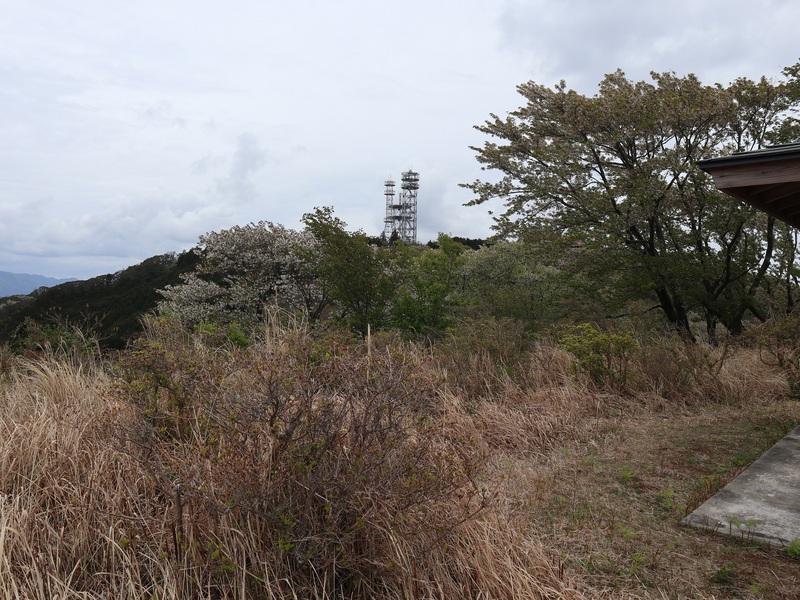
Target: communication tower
x,y
401,214
388,223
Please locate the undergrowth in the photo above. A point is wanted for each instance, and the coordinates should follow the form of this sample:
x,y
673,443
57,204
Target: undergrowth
x,y
310,464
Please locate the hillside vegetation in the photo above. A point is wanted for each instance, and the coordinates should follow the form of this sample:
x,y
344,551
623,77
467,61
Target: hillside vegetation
x,y
318,414
110,306
314,465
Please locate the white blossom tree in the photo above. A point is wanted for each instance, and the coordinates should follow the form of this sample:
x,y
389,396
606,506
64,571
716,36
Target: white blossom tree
x,y
244,268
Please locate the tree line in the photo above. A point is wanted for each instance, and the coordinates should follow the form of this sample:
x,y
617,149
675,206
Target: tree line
x,y
606,216
607,187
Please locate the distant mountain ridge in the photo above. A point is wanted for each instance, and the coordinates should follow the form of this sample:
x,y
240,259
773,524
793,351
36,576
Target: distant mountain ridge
x,y
113,304
14,284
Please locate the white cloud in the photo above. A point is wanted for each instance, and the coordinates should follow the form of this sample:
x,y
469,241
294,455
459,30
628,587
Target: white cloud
x,y
131,129
247,161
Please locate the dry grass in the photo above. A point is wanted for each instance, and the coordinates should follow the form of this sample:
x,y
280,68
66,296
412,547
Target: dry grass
x,y
160,487
609,494
64,497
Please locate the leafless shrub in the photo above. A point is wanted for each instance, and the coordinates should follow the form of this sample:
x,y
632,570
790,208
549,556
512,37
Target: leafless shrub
x,y
324,459
480,355
777,342
692,373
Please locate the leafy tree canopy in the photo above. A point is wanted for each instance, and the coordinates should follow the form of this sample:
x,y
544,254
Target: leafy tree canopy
x,y
242,269
423,303
609,185
361,279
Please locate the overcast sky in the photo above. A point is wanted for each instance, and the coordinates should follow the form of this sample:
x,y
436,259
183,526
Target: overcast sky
x,y
128,129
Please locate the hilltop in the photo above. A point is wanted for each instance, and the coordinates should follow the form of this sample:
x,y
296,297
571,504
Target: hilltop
x,y
111,305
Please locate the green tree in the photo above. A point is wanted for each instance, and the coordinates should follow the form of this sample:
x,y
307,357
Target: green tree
x,y
507,280
609,185
423,303
361,279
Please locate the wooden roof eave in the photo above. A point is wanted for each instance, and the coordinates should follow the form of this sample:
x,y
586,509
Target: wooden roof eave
x,y
768,179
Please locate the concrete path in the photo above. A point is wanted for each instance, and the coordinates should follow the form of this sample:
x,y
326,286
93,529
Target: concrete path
x,y
763,502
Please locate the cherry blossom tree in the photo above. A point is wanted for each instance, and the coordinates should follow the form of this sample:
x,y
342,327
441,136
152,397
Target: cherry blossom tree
x,y
245,268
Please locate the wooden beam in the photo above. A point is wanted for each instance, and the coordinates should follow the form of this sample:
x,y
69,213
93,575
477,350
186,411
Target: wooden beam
x,y
764,190
736,176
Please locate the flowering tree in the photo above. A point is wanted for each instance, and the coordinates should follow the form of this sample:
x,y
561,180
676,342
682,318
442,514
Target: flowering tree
x,y
244,268
609,184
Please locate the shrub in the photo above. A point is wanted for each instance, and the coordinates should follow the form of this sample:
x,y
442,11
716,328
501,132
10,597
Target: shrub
x,y
327,459
480,355
604,357
57,333
778,342
219,334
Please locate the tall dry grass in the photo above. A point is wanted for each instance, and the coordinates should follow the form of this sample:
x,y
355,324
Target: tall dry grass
x,y
311,465
66,497
282,471
699,373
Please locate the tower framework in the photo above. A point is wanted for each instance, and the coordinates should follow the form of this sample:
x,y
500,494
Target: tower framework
x,y
401,213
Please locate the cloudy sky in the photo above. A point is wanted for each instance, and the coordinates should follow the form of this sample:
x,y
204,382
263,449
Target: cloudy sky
x,y
128,129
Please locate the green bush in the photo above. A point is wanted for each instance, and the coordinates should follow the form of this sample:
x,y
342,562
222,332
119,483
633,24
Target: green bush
x,y
57,333
221,334
604,357
793,549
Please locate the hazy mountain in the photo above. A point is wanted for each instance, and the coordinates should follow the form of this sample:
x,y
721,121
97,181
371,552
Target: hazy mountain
x,y
13,284
111,304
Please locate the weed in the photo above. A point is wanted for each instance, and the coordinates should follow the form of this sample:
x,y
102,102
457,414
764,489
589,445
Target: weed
x,y
666,499
723,576
793,549
637,560
756,589
626,473
745,528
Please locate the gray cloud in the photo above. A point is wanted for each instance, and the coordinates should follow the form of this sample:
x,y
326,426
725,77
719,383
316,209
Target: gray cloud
x,y
162,113
206,164
581,40
248,159
122,125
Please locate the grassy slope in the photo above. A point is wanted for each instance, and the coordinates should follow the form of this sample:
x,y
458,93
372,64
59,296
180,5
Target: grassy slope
x,y
590,485
608,497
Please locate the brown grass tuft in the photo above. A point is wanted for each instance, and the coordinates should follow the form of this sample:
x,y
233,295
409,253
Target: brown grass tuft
x,y
311,466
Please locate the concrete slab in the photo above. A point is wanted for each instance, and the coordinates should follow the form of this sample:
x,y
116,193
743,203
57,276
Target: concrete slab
x,y
763,502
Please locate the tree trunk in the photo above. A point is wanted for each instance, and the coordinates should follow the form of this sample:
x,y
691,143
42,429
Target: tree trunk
x,y
711,329
676,313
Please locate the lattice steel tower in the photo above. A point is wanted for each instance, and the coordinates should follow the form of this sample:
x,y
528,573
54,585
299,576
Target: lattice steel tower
x,y
401,215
